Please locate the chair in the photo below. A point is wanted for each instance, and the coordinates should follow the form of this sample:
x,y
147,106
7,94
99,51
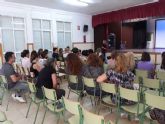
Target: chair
x,y
50,100
33,99
161,76
73,79
131,95
3,81
72,107
90,83
90,118
2,89
153,101
106,100
154,84
141,73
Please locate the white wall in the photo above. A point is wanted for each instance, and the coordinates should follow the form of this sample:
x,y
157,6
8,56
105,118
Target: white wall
x,y
29,12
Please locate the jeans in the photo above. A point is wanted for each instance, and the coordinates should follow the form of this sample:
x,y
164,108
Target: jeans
x,y
20,88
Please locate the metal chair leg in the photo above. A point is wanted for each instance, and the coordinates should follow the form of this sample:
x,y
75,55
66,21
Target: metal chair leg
x,y
36,113
44,116
28,109
69,93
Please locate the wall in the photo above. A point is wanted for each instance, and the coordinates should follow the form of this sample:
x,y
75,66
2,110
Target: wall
x,y
29,12
151,30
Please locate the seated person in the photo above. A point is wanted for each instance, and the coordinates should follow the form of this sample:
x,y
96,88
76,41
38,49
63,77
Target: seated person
x,y
47,78
146,64
13,79
93,69
111,61
120,76
74,66
130,61
25,61
35,67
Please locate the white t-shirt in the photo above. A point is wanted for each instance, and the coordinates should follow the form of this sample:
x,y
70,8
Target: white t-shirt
x,y
26,62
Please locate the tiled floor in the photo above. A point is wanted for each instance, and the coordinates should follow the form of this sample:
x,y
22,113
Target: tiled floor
x,y
17,112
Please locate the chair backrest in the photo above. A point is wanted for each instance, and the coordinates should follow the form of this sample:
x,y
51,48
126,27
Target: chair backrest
x,y
26,71
20,69
151,83
160,75
89,82
49,94
32,87
109,88
90,118
105,66
155,101
141,73
3,79
136,80
132,95
73,79
71,106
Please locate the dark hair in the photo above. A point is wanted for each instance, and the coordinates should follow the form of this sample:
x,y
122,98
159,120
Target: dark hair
x,y
50,62
60,51
8,55
74,64
54,49
90,51
163,61
75,50
85,52
24,53
44,55
46,51
94,60
33,56
40,51
145,56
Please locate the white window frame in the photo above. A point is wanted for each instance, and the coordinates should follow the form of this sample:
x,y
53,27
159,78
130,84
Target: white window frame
x,y
42,31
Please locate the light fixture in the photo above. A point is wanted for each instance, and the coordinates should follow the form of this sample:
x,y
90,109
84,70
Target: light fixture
x,y
76,3
87,1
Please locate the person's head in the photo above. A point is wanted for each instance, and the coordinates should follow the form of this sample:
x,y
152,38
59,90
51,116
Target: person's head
x,y
44,55
74,64
60,51
66,50
10,57
85,53
94,60
121,63
163,61
25,53
90,51
46,51
50,62
114,54
40,51
34,56
145,57
55,49
75,50
130,60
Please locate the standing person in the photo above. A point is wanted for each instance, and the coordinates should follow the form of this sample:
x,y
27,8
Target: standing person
x,y
47,78
104,49
60,57
39,52
13,79
25,61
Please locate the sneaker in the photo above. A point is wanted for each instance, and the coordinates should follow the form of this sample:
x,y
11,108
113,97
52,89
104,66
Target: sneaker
x,y
18,98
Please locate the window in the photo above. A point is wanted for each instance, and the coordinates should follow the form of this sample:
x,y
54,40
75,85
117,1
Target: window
x,y
13,34
42,34
64,34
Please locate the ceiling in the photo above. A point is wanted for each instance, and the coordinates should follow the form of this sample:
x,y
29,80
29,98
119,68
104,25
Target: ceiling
x,y
100,6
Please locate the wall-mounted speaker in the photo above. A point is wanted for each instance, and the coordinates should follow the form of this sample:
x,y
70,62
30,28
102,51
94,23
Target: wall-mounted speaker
x,y
85,29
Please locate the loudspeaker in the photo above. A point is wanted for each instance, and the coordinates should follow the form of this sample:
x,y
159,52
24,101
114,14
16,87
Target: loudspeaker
x,y
85,29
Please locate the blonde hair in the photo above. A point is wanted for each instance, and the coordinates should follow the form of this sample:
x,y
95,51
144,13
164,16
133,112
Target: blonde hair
x,y
130,60
121,63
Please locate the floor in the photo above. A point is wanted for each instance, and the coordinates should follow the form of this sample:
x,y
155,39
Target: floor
x,y
17,111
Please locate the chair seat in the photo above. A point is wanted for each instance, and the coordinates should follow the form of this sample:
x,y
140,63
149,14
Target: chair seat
x,y
133,108
154,92
107,101
74,120
51,108
7,122
2,116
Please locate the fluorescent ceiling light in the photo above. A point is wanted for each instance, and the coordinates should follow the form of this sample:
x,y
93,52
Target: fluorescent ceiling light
x,y
87,1
76,3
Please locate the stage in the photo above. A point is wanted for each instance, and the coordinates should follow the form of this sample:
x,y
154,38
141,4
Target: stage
x,y
154,53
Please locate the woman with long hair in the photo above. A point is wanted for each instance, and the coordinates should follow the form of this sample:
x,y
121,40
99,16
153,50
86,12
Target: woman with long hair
x,y
74,66
25,61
